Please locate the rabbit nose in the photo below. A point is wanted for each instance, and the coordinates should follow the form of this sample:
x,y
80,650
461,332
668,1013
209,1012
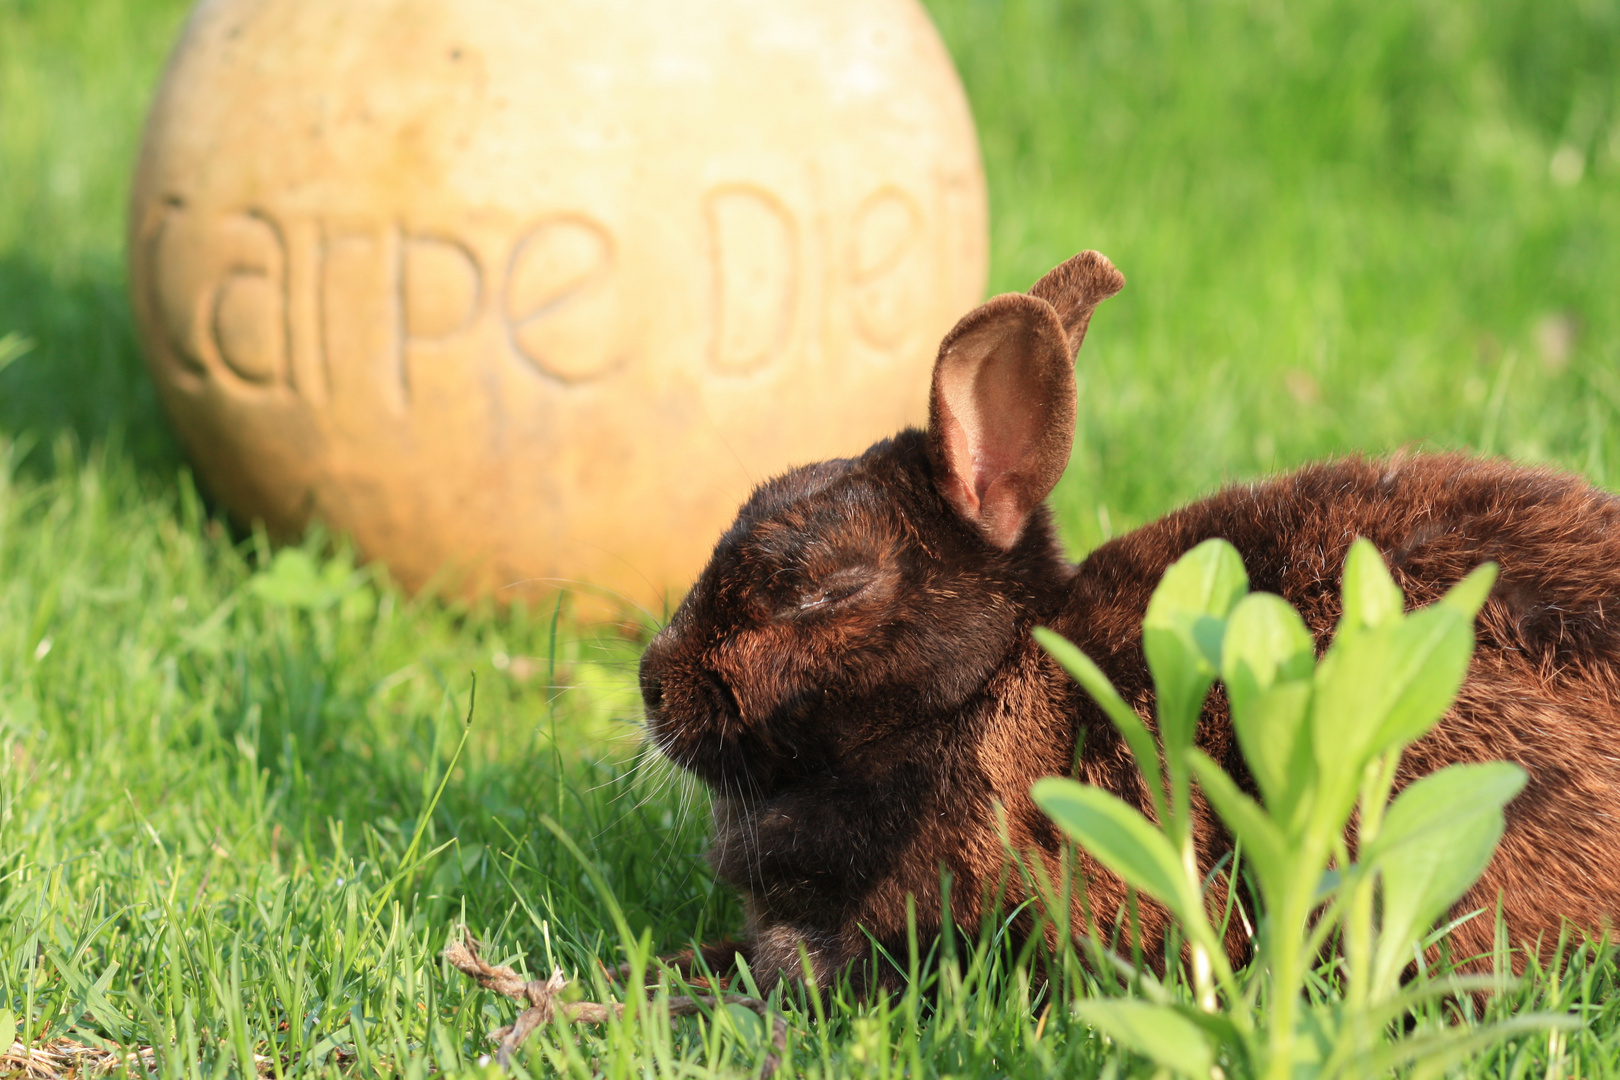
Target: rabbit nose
x,y
654,659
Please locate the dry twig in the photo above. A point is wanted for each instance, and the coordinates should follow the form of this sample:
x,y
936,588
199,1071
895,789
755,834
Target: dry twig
x,y
541,995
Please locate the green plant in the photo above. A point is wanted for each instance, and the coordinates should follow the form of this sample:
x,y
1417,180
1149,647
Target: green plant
x,y
1329,852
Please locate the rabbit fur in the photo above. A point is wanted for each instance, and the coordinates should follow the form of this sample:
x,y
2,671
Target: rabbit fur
x,y
854,679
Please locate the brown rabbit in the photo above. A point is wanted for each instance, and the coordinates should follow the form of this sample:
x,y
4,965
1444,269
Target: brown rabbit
x,y
854,678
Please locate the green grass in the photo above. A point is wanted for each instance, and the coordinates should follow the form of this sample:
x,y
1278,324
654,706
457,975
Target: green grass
x,y
1347,227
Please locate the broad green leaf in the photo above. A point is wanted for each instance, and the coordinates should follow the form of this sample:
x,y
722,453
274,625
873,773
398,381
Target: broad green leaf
x,y
1349,700
1267,658
1432,648
1122,839
746,1024
1130,725
1371,597
1469,595
1263,841
1157,1032
1207,580
295,580
1266,643
1182,676
1437,838
1381,688
1219,1028
1431,805
292,580
1274,734
1182,631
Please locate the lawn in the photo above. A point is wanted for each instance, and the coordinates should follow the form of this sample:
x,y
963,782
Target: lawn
x,y
1348,227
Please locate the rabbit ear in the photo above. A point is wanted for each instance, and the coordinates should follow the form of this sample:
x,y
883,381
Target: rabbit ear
x,y
1075,288
1001,420
1002,417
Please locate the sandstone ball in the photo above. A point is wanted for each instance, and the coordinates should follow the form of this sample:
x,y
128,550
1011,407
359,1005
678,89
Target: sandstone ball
x,y
521,293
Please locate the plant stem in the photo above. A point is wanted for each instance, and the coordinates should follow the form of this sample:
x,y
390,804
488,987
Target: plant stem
x,y
1358,918
1282,940
1203,981
1285,944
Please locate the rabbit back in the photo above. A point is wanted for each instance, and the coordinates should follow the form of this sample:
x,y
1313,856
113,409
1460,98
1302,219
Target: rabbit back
x,y
1543,688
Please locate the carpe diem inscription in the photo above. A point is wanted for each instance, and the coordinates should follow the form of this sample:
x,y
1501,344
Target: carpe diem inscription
x,y
259,302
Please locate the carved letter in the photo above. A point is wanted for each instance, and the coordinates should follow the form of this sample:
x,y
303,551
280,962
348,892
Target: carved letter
x,y
562,304
221,295
889,284
443,287
360,318
250,308
754,248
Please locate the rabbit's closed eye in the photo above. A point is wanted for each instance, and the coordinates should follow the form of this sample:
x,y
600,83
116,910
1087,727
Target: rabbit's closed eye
x,y
832,590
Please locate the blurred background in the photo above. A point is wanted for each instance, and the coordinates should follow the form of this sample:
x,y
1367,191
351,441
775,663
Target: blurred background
x,y
1347,226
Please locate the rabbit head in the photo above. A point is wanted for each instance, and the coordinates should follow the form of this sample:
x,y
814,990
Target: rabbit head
x,y
858,597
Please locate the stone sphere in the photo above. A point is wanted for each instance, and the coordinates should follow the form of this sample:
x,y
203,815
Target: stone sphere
x,y
529,293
